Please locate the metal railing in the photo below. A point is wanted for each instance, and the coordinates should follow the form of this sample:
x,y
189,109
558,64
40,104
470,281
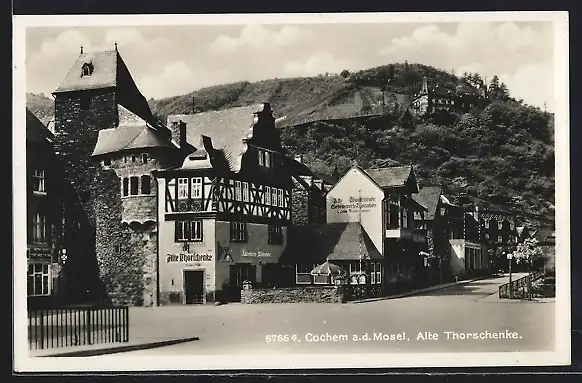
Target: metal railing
x,y
519,288
64,327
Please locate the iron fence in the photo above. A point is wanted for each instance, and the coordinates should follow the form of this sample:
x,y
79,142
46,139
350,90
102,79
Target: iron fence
x,y
64,327
520,287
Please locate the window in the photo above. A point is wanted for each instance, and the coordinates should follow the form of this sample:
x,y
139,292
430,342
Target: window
x,y
146,186
39,232
245,191
238,232
189,231
38,185
133,159
133,186
274,196
182,188
392,216
355,269
84,102
86,70
373,273
321,279
125,187
378,271
303,274
117,249
280,197
144,158
404,218
196,187
267,159
107,162
275,235
38,279
261,155
267,195
237,191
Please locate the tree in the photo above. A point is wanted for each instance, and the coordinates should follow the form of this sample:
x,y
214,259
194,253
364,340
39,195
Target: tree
x,y
503,92
494,87
528,251
345,73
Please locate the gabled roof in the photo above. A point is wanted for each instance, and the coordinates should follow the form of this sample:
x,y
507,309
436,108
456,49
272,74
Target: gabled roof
x,y
104,75
394,176
227,130
107,70
36,131
428,197
331,241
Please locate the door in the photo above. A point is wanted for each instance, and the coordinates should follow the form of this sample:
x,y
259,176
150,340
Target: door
x,y
238,274
194,286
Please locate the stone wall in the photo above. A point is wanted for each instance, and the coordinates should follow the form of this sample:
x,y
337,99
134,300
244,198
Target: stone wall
x,y
310,294
76,135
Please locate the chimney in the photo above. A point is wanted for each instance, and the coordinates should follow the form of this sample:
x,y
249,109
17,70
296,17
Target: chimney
x,y
182,134
175,130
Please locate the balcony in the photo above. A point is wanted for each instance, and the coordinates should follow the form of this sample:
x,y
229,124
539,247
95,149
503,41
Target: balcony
x,y
416,235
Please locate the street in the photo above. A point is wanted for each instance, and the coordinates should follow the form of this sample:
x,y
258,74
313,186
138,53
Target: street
x,y
463,318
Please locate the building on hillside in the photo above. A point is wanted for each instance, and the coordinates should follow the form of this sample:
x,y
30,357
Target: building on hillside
x,y
377,204
443,221
109,142
44,215
224,213
434,99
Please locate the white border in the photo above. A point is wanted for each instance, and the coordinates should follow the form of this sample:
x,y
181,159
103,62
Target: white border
x,y
560,356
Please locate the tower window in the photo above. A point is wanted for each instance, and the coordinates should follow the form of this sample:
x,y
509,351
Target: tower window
x,y
85,102
144,158
145,185
86,70
133,186
125,187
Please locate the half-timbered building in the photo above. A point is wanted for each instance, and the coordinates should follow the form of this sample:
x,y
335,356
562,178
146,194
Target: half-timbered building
x,y
223,215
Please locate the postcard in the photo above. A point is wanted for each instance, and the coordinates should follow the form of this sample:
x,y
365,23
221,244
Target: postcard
x,y
291,191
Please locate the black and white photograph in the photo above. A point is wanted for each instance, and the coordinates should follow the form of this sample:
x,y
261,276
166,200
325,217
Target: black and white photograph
x,y
298,191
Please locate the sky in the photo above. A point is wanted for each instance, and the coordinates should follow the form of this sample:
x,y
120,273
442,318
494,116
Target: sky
x,y
169,60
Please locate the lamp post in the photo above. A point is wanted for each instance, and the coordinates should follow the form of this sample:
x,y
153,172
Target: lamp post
x,y
509,257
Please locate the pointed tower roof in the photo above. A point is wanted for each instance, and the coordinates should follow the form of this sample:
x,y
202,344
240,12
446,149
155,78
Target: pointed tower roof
x,y
102,71
105,69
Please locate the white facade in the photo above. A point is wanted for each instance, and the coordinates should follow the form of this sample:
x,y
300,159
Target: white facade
x,y
356,198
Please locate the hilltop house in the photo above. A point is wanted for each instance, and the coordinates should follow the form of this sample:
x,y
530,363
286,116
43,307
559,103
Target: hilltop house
x,y
430,100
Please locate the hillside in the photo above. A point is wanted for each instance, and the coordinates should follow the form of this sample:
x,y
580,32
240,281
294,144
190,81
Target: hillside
x,y
502,154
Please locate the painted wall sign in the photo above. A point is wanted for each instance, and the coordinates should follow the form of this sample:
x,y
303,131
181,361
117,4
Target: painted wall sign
x,y
353,204
39,252
188,258
261,254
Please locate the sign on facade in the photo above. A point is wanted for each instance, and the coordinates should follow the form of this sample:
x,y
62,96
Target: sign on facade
x,y
353,204
188,258
260,254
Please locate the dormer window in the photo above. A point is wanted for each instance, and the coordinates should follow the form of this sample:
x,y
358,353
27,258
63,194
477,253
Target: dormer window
x,y
86,70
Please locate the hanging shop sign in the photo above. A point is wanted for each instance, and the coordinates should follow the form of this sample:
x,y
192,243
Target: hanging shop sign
x,y
188,258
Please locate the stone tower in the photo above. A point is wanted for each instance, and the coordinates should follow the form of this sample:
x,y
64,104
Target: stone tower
x,y
109,143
